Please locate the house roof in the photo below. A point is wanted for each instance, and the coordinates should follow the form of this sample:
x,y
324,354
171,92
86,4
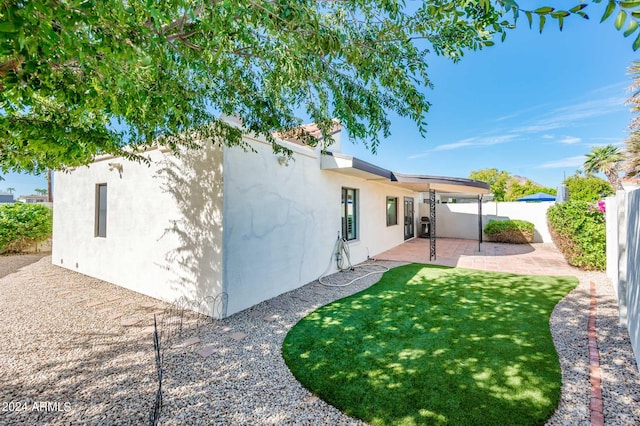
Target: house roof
x,y
297,134
419,183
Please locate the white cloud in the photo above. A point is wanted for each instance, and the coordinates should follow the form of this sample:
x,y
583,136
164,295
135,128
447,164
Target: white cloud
x,y
476,141
576,161
547,136
564,116
569,140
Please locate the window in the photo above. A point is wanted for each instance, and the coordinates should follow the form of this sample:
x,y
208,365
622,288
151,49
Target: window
x,y
349,209
392,211
101,210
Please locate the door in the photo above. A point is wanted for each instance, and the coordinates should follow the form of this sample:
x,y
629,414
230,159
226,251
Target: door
x,y
409,219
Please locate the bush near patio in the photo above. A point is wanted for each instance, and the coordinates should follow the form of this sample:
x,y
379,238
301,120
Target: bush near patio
x,y
511,231
578,230
432,345
22,225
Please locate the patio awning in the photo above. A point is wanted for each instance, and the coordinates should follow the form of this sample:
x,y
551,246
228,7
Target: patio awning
x,y
419,183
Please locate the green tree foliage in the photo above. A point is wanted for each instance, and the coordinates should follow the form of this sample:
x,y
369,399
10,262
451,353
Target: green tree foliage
x,y
515,190
498,180
22,225
510,231
41,191
605,159
505,187
632,144
79,78
578,230
587,188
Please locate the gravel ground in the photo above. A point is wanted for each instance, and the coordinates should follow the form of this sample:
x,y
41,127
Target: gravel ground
x,y
65,360
12,263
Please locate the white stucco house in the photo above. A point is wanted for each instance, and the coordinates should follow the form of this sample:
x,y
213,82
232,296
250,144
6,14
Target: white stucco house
x,y
251,225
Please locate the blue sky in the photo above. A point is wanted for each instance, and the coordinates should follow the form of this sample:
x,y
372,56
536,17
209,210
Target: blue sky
x,y
533,106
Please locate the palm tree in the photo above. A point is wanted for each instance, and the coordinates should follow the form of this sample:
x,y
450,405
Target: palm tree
x,y
632,149
605,159
634,100
10,190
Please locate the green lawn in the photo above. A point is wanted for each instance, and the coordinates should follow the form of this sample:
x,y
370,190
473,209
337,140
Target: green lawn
x,y
435,345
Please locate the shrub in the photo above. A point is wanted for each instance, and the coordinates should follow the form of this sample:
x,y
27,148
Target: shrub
x,y
588,188
510,231
578,230
22,225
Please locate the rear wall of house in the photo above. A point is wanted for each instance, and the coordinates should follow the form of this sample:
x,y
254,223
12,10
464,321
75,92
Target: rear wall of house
x,y
163,232
218,220
281,222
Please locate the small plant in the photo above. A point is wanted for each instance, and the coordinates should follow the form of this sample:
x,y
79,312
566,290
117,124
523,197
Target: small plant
x,y
510,231
578,230
22,225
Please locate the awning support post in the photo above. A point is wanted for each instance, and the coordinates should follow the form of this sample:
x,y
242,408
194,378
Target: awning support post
x,y
432,225
479,221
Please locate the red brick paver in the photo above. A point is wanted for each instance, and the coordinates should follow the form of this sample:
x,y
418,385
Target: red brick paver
x,y
595,405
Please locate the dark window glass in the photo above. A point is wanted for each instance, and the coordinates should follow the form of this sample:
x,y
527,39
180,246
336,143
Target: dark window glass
x,y
101,210
349,209
392,211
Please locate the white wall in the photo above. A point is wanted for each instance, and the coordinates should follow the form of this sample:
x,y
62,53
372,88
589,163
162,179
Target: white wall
x,y
164,224
623,240
216,220
460,220
633,271
281,223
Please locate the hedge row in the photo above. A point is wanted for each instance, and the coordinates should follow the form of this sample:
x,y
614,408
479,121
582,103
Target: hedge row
x,y
22,225
578,230
512,231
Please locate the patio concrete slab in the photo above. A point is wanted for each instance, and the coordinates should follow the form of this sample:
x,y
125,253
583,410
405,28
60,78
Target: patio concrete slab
x,y
535,259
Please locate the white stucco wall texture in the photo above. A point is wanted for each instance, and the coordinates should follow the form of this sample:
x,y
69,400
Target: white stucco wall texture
x,y
460,220
216,220
632,286
164,224
281,222
623,259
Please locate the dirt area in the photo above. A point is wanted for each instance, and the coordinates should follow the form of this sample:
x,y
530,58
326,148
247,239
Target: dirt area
x,y
14,262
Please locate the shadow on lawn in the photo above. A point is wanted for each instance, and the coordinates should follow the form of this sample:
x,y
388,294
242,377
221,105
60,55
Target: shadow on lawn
x,y
434,345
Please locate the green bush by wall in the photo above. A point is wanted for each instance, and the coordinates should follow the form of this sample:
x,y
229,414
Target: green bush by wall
x,y
510,231
578,230
22,225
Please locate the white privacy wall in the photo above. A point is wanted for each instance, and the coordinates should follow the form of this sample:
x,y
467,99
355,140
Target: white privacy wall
x,y
623,242
460,220
633,271
281,222
164,224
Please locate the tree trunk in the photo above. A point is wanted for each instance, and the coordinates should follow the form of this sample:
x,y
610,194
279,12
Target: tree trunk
x,y
614,180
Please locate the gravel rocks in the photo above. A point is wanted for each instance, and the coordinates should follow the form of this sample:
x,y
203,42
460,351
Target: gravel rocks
x,y
63,362
60,350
